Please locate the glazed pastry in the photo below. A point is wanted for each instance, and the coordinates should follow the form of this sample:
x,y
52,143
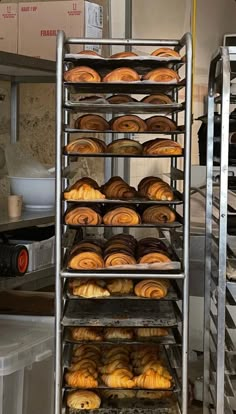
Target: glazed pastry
x,y
120,99
157,99
119,259
158,214
89,52
118,394
86,146
85,192
162,75
92,123
82,216
122,216
82,74
120,286
80,379
154,257
85,334
120,378
122,55
152,380
125,146
83,400
155,189
161,146
165,52
128,123
153,395
86,260
150,332
116,189
152,288
122,75
161,124
90,289
118,333
113,366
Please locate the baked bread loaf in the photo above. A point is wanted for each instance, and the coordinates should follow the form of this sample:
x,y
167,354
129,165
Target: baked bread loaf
x,y
82,74
86,146
128,123
158,214
161,146
162,75
155,188
152,380
120,378
120,286
121,216
86,334
165,52
122,55
157,99
152,288
125,146
89,289
82,216
122,75
117,189
92,123
161,124
80,379
120,99
151,332
83,400
118,333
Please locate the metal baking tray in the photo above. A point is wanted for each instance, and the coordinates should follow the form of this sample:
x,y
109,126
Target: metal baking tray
x,y
71,130
108,155
120,313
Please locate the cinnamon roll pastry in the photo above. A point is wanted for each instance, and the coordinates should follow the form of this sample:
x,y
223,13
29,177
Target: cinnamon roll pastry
x,y
120,286
154,257
122,75
86,260
152,380
162,75
155,189
161,124
90,289
120,99
158,99
122,216
116,189
122,55
118,333
82,74
82,216
92,123
165,52
161,146
119,259
86,146
83,400
152,288
84,192
120,378
128,123
125,146
151,332
80,379
86,334
158,214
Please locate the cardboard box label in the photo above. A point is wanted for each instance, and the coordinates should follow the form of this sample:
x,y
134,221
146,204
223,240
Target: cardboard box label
x,y
8,27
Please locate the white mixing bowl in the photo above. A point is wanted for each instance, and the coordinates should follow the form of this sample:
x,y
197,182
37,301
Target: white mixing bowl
x,y
38,193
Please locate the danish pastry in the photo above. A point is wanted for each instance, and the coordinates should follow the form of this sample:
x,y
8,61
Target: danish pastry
x,y
165,52
122,216
128,123
86,334
158,214
161,146
125,146
83,400
92,123
82,74
86,260
120,286
161,124
157,99
119,259
122,75
162,75
154,257
86,146
82,216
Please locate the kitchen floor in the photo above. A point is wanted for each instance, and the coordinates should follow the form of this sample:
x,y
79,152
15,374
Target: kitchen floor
x,y
195,410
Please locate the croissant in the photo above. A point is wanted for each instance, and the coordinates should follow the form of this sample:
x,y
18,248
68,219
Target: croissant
x,y
161,146
90,289
117,394
150,332
89,52
113,366
86,334
157,99
120,286
158,368
120,378
80,379
161,124
123,55
86,260
141,362
128,123
85,364
82,349
165,52
162,75
92,122
155,189
152,380
154,257
83,400
86,146
120,99
82,216
158,214
82,74
85,180
118,333
116,188
125,146
115,350
122,75
119,259
122,216
143,351
85,192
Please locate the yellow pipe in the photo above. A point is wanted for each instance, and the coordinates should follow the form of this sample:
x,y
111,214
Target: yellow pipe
x,y
194,32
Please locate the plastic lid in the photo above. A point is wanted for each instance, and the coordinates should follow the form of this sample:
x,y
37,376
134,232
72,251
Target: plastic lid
x,y
22,343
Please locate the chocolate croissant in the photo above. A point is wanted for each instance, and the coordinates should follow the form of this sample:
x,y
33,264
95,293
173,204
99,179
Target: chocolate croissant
x,y
120,99
118,333
161,146
162,75
117,189
82,216
151,332
122,216
83,400
160,124
120,286
85,334
120,378
128,123
80,379
152,288
157,99
152,380
155,189
90,289
86,260
122,55
92,123
158,214
86,146
125,146
82,74
165,52
122,75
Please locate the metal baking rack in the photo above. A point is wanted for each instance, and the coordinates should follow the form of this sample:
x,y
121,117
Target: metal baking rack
x,y
125,312
220,292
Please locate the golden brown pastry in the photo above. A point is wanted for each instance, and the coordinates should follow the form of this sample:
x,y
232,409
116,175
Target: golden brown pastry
x,y
151,332
92,123
158,214
113,366
86,261
161,146
82,190
80,379
158,368
117,394
152,380
121,357
81,350
157,99
120,286
82,74
122,216
162,75
118,333
120,378
152,288
128,123
125,146
82,216
143,351
155,189
122,75
86,146
85,364
90,289
117,189
119,259
89,52
122,55
83,400
160,124
84,246
165,52
85,334
120,99
115,350
154,257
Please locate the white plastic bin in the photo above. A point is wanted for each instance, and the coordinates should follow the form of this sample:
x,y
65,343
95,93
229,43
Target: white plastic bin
x,y
26,365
